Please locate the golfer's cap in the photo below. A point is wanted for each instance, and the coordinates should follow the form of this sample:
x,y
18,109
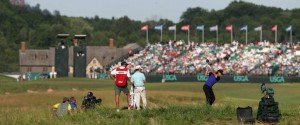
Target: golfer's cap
x,y
221,71
138,67
123,63
89,94
72,98
65,99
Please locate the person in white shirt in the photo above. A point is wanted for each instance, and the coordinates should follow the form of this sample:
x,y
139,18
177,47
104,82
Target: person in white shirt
x,y
138,79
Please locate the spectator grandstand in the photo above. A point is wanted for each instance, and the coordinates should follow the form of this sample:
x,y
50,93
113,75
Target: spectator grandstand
x,y
256,59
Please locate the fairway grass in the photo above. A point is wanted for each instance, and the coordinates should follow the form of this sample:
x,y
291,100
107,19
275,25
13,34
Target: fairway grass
x,y
169,103
6,79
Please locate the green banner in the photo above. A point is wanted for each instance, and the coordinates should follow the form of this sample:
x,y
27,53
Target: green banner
x,y
170,78
224,79
202,78
276,79
240,78
103,76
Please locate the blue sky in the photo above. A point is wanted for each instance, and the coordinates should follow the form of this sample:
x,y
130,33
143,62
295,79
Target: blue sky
x,y
144,9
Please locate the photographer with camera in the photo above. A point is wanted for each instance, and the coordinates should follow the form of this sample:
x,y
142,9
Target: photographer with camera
x,y
213,77
90,101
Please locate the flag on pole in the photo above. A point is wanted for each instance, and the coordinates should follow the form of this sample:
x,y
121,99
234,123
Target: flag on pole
x,y
229,28
245,28
258,28
274,28
159,27
213,28
144,28
288,29
200,27
172,27
185,27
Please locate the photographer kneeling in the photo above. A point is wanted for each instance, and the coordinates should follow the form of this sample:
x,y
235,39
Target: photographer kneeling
x,y
90,101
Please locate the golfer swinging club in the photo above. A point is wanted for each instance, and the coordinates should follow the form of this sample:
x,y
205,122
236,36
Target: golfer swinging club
x,y
213,77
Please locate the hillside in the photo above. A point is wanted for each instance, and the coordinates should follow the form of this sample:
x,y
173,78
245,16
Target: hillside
x,y
39,27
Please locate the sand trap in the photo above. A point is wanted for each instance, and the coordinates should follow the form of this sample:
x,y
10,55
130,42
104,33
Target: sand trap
x,y
50,90
30,91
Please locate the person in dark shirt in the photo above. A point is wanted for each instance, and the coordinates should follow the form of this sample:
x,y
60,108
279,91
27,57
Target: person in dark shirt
x,y
213,77
90,101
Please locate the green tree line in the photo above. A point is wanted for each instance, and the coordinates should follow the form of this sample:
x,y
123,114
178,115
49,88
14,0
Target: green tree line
x,y
39,27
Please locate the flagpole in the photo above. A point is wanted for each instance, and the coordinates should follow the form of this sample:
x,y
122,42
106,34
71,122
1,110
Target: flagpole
x,y
203,35
147,36
231,33
196,38
246,35
260,33
276,35
161,34
217,34
291,36
175,34
189,35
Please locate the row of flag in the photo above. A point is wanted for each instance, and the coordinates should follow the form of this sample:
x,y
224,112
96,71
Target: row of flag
x,y
212,28
274,28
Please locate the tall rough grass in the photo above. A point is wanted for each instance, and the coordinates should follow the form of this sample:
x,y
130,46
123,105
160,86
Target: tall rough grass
x,y
174,103
169,115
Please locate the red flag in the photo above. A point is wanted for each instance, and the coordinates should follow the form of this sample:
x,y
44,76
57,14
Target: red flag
x,y
144,28
274,28
229,28
186,27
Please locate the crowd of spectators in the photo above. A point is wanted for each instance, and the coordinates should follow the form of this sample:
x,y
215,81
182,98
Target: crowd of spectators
x,y
180,57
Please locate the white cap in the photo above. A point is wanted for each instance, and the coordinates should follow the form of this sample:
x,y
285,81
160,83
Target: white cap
x,y
138,67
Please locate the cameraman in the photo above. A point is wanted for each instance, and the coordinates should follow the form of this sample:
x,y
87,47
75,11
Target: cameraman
x,y
90,101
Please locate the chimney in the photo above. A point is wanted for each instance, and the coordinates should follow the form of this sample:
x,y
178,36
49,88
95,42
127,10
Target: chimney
x,y
75,42
23,46
111,43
